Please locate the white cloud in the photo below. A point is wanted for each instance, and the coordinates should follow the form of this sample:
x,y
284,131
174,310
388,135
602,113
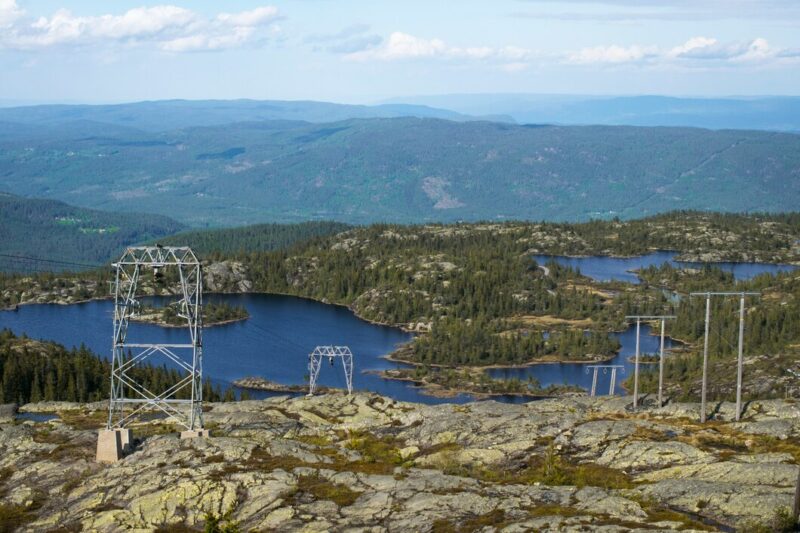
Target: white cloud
x,y
757,50
166,27
9,12
693,46
256,17
611,54
708,49
403,46
697,51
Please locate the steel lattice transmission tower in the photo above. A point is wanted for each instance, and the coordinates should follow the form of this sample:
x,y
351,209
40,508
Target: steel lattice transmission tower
x,y
331,352
181,401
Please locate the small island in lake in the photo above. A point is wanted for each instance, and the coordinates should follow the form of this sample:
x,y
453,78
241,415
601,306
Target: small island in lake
x,y
449,382
256,383
214,314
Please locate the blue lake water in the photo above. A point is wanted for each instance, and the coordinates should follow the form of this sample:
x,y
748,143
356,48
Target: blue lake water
x,y
603,268
275,341
36,417
580,375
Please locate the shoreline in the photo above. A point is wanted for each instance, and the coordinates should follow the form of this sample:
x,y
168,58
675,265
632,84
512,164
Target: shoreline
x,y
401,327
435,390
391,358
177,326
675,257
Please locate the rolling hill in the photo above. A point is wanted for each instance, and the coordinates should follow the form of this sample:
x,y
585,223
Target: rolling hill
x,y
164,115
400,170
56,231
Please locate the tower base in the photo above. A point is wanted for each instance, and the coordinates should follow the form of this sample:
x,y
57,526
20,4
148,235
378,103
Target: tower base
x,y
109,446
195,433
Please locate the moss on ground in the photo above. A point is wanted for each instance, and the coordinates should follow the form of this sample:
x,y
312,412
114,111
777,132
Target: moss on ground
x,y
494,519
322,489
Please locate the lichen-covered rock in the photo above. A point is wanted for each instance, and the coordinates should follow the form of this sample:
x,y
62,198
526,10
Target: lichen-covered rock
x,y
368,463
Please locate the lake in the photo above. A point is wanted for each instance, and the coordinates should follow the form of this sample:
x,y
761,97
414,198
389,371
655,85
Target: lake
x,y
604,268
274,343
578,374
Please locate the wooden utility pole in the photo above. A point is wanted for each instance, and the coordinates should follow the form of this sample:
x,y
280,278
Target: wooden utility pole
x,y
740,366
638,319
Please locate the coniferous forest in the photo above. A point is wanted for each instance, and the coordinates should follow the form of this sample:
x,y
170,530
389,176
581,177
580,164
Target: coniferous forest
x,y
476,296
33,371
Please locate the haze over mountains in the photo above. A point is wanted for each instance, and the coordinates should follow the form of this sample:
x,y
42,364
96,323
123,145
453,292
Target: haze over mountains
x,y
240,162
780,113
164,115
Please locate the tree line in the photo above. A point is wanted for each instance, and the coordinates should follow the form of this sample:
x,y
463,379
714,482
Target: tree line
x,y
32,371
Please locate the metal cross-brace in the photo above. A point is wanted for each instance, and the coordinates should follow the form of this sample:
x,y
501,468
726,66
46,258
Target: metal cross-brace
x,y
605,369
181,401
315,363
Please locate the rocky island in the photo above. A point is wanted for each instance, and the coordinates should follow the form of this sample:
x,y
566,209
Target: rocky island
x,y
257,383
214,314
365,462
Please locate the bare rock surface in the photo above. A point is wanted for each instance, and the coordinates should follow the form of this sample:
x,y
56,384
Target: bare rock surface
x,y
369,463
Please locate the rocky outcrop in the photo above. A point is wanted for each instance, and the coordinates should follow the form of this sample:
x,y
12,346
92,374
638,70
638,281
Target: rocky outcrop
x,y
226,276
7,412
365,462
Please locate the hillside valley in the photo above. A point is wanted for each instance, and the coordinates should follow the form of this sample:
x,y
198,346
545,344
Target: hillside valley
x,y
69,237
399,170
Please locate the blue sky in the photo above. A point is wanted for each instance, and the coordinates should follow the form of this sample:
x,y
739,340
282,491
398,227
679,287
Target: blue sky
x,y
364,51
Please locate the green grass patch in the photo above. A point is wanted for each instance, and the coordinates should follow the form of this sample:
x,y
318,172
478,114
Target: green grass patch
x,y
376,450
82,420
495,519
549,468
552,509
323,489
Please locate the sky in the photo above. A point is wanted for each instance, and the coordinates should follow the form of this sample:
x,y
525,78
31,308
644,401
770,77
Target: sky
x,y
365,51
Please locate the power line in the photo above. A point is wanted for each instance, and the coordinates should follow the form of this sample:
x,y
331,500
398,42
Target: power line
x,y
52,261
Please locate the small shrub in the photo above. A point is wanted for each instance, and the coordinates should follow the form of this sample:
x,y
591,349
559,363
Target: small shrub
x,y
13,517
781,521
322,489
220,524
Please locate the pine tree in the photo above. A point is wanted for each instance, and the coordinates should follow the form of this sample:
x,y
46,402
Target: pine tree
x,y
36,389
229,395
49,387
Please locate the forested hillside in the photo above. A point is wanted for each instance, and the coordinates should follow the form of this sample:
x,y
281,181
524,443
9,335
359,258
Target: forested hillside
x,y
478,297
257,238
34,371
56,231
401,170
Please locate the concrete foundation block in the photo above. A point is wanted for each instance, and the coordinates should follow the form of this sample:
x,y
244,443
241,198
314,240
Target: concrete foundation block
x,y
109,446
195,433
126,439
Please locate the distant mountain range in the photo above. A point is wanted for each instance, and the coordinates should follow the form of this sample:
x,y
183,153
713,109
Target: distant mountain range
x,y
165,115
762,113
72,235
396,169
